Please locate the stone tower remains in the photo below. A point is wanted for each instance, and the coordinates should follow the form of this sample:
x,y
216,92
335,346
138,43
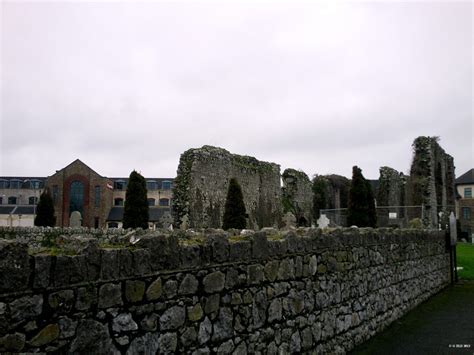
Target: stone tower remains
x,y
298,196
431,181
200,188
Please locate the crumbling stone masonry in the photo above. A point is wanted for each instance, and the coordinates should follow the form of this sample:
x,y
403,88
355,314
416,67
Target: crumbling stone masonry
x,y
432,179
203,176
297,196
391,192
304,291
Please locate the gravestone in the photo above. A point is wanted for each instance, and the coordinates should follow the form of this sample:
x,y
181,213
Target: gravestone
x,y
289,220
323,221
184,223
75,220
166,220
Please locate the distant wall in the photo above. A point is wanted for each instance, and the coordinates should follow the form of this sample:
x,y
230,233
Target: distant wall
x,y
293,293
432,180
297,196
200,188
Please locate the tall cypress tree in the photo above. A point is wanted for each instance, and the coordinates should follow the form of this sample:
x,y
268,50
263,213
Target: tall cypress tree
x,y
135,211
361,207
234,213
319,195
45,210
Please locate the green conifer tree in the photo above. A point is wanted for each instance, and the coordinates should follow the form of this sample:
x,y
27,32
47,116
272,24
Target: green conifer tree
x,y
234,213
135,214
361,207
45,210
319,195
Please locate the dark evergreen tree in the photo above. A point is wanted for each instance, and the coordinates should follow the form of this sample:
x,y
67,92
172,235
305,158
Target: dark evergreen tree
x,y
361,207
45,211
319,195
234,213
135,211
371,206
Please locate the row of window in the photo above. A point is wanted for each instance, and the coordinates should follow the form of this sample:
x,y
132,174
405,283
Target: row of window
x,y
13,200
150,185
21,184
151,202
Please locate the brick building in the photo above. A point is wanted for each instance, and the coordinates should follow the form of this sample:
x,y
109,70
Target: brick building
x,y
77,187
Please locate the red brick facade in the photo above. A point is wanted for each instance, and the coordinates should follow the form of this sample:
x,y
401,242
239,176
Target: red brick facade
x,y
95,207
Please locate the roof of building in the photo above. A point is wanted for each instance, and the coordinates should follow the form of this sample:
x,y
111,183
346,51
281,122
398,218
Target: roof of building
x,y
154,213
125,179
17,210
6,209
466,178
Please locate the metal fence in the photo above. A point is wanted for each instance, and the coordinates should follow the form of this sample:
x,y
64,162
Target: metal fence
x,y
390,216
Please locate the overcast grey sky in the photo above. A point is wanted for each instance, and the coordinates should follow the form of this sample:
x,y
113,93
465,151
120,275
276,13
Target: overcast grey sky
x,y
317,87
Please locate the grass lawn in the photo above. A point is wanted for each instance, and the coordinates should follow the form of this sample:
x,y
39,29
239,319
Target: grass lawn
x,y
465,258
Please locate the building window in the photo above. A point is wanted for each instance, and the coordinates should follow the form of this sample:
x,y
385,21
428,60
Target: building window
x,y
151,202
164,202
76,197
466,213
113,225
55,193
468,192
119,185
118,201
97,196
35,184
12,200
166,185
3,184
15,184
151,185
96,222
33,200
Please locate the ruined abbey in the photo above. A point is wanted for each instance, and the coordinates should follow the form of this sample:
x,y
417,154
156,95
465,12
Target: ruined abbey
x,y
203,177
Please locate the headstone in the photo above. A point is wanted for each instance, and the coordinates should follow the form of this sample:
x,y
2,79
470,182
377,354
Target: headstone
x,y
166,220
452,229
184,223
323,221
75,220
289,220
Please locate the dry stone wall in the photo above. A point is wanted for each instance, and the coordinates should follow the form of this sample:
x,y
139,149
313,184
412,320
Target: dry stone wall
x,y
298,292
200,188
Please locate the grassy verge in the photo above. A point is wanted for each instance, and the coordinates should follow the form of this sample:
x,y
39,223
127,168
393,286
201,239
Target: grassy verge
x,y
465,259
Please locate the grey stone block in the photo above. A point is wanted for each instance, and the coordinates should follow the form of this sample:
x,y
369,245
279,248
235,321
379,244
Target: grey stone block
x,y
259,246
214,282
42,271
26,307
173,318
110,295
15,266
189,285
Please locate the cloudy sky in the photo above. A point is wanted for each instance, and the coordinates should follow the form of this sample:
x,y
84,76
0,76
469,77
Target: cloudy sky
x,y
316,87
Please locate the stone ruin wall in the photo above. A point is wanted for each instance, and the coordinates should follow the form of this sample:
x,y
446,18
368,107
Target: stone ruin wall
x,y
278,293
200,188
432,179
338,191
391,191
297,196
